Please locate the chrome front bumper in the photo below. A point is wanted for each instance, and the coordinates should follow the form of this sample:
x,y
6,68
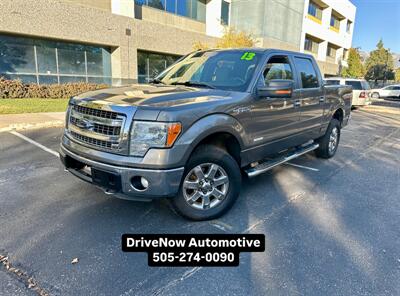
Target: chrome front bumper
x,y
117,180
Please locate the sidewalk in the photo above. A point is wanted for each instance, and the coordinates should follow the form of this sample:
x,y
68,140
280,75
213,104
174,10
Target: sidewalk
x,y
31,120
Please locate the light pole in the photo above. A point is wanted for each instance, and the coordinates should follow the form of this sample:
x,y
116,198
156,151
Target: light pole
x,y
386,66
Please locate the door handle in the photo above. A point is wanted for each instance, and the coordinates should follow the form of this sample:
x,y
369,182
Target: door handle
x,y
322,99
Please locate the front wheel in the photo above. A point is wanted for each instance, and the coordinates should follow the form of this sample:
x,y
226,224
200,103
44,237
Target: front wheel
x,y
329,143
210,185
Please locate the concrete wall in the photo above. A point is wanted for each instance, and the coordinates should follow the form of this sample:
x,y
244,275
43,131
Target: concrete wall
x,y
100,4
84,24
279,22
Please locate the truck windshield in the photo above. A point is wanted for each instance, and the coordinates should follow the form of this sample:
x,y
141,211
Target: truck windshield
x,y
227,70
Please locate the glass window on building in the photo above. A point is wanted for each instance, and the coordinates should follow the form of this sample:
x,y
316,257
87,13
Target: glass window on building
x,y
194,9
17,55
331,51
159,4
47,62
151,64
315,10
345,54
311,45
335,22
348,26
71,60
170,6
225,13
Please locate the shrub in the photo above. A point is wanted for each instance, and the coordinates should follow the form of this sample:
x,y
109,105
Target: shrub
x,y
15,89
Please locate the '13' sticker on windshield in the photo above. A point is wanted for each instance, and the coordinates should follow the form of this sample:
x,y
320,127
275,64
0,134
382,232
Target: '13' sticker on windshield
x,y
248,56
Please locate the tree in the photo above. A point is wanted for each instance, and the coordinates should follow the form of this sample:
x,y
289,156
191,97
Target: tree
x,y
379,64
397,75
235,39
230,39
355,68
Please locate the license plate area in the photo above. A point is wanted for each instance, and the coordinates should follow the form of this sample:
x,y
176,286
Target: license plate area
x,y
108,180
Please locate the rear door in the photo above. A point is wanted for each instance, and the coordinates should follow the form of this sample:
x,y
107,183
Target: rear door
x,y
312,97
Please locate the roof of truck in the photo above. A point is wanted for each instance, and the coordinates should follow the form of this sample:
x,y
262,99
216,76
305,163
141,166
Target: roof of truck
x,y
259,50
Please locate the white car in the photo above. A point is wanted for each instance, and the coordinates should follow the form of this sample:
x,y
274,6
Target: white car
x,y
361,89
390,91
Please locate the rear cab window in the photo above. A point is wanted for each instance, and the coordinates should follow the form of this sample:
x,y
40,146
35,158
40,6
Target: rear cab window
x,y
358,85
307,73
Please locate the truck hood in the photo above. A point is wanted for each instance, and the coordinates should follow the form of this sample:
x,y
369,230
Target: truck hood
x,y
152,96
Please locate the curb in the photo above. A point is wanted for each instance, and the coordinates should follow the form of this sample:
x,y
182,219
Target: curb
x,y
27,126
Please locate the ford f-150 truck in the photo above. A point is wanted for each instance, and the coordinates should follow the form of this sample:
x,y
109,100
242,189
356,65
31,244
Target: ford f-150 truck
x,y
206,121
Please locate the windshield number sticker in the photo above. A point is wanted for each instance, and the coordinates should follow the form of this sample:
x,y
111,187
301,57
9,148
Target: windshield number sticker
x,y
248,56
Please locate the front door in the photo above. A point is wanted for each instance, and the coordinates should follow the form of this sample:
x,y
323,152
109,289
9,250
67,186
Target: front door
x,y
274,119
312,97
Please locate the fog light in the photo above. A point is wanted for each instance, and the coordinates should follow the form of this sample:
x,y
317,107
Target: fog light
x,y
139,183
144,182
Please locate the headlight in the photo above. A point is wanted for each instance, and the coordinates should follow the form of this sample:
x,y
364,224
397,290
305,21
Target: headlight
x,y
146,135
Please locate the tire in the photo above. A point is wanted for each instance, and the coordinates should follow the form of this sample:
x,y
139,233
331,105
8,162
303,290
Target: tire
x,y
329,143
197,197
375,95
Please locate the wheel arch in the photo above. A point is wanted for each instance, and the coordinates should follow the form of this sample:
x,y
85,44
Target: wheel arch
x,y
221,130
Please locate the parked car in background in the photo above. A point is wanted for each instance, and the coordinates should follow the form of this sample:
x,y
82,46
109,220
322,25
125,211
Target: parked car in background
x,y
390,91
361,89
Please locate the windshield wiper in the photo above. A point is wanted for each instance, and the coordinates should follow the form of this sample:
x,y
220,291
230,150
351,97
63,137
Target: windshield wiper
x,y
194,83
156,81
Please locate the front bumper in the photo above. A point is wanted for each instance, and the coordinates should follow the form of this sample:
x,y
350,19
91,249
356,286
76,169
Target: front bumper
x,y
117,180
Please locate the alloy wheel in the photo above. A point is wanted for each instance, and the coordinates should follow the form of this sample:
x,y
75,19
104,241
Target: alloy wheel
x,y
333,139
205,186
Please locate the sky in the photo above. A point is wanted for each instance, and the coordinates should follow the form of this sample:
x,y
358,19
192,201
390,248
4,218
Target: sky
x,y
377,19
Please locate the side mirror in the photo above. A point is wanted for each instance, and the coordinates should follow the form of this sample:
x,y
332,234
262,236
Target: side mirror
x,y
276,88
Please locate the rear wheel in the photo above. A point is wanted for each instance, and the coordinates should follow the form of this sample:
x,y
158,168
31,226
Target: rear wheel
x,y
329,143
375,95
210,185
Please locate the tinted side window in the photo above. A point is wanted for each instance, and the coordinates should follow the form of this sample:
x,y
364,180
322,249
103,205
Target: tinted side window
x,y
332,82
278,68
365,85
396,88
306,71
355,84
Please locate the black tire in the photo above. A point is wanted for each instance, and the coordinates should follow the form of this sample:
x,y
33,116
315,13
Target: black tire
x,y
202,157
376,95
325,150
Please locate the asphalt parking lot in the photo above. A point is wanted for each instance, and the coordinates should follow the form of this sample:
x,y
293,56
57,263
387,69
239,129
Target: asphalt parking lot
x,y
331,226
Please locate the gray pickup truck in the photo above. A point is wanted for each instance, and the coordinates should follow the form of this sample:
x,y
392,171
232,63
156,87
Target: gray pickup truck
x,y
206,121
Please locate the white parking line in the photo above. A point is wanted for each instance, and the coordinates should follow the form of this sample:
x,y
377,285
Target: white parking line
x,y
35,143
302,166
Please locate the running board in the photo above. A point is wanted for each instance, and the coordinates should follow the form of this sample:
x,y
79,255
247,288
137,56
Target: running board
x,y
269,164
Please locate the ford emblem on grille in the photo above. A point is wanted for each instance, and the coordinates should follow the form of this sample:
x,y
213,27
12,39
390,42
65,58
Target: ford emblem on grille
x,y
85,124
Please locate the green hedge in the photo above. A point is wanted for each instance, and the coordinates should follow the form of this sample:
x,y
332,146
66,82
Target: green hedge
x,y
15,89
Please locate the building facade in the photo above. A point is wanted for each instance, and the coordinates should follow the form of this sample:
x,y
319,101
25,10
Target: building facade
x,y
122,41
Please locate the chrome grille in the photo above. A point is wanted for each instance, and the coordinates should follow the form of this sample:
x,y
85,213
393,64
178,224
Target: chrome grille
x,y
92,141
95,112
97,128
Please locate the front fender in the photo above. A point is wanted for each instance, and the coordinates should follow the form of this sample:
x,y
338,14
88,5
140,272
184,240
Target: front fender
x,y
208,125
